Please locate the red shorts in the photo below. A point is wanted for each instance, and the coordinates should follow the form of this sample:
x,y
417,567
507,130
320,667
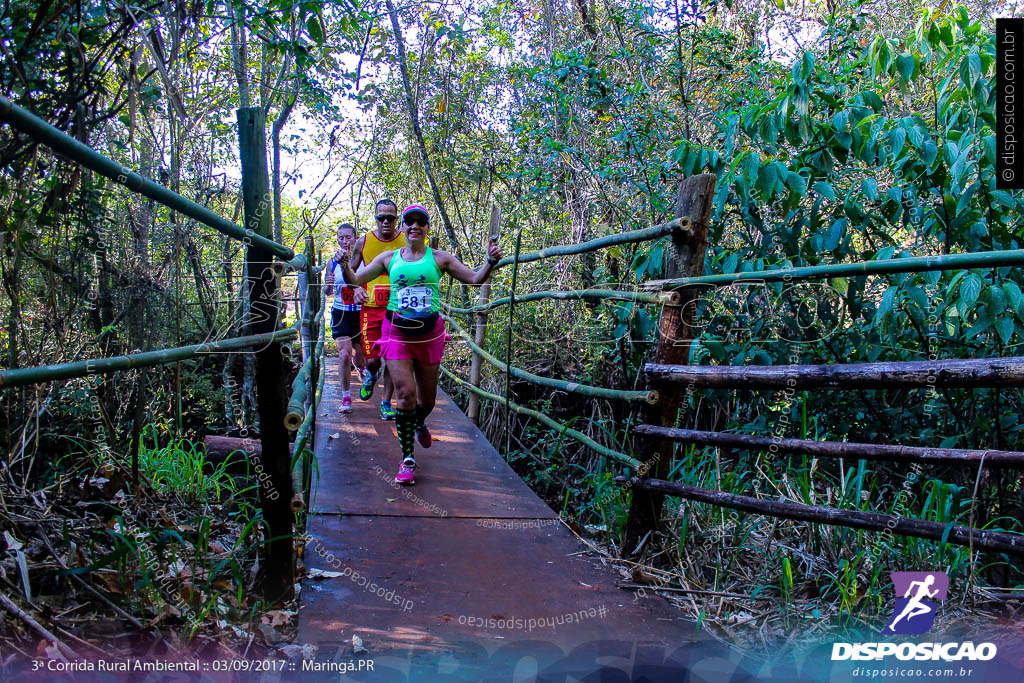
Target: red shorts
x,y
370,320
425,350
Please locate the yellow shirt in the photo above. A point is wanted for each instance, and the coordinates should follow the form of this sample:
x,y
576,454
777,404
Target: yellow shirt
x,y
379,288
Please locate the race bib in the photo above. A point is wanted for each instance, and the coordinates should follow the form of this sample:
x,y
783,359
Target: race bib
x,y
348,295
381,294
416,299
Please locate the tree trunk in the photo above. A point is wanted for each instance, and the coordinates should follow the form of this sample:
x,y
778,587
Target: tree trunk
x,y
685,259
275,492
418,133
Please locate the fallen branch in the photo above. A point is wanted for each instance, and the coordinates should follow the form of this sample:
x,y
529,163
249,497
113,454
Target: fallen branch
x,y
64,650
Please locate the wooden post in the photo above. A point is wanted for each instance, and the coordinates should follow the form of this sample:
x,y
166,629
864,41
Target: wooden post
x,y
685,259
480,330
271,396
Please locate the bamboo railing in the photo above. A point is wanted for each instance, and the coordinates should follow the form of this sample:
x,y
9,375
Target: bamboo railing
x,y
571,387
98,366
981,539
66,145
991,372
278,568
541,417
628,237
953,373
908,264
590,294
843,449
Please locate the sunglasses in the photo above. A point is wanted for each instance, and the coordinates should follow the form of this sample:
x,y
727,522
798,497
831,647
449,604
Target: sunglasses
x,y
418,220
386,217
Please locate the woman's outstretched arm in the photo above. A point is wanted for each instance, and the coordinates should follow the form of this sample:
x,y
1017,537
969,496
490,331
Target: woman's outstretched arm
x,y
371,270
458,270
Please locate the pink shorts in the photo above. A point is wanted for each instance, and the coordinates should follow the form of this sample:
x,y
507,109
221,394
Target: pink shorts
x,y
426,349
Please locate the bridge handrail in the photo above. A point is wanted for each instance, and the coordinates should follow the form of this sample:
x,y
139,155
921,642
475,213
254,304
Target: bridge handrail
x,y
952,373
48,373
907,264
62,143
839,449
296,404
557,426
300,464
628,237
649,397
982,539
616,294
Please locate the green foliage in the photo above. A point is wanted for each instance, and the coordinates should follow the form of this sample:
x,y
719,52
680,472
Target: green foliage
x,y
180,468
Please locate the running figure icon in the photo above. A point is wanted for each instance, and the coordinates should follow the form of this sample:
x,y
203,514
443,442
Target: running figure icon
x,y
915,607
915,611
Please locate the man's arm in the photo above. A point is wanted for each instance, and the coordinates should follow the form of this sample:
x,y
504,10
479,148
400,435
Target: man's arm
x,y
329,276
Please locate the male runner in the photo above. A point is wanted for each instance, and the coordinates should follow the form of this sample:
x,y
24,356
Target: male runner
x,y
385,237
345,323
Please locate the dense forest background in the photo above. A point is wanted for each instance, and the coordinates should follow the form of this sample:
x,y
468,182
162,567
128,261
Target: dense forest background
x,y
838,131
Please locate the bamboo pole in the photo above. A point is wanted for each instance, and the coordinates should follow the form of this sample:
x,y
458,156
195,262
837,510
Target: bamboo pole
x,y
508,345
296,265
834,449
64,144
642,235
560,428
480,328
979,539
302,383
600,294
301,462
98,366
910,264
955,373
649,397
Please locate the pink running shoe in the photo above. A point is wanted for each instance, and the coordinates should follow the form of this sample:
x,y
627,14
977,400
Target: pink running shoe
x,y
423,436
406,472
346,404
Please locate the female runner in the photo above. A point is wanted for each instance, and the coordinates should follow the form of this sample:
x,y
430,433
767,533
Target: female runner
x,y
413,336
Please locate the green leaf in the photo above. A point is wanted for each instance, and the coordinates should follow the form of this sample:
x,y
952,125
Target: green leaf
x,y
872,100
1013,295
905,66
996,298
824,189
970,70
885,305
897,138
835,234
316,31
971,289
869,186
929,152
1004,328
1004,198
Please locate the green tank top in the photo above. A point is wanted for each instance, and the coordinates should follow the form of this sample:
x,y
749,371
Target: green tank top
x,y
414,292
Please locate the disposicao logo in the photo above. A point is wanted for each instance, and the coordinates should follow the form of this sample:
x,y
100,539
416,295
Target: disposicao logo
x,y
913,614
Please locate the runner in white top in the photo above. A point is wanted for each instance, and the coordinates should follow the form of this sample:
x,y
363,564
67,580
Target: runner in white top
x,y
348,300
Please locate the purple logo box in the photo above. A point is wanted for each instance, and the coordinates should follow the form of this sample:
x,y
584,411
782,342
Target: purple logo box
x,y
917,598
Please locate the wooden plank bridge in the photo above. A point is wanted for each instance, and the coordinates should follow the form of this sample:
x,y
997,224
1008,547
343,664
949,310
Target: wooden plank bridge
x,y
466,565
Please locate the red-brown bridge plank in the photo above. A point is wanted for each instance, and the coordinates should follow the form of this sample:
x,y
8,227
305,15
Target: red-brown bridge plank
x,y
470,541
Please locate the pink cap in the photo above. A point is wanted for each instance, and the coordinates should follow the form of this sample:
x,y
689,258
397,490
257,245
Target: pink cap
x,y
415,208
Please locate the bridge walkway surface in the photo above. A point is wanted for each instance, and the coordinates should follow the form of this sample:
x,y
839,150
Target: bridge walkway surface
x,y
468,575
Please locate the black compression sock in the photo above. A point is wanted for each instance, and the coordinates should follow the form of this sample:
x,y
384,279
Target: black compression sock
x,y
406,422
421,415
